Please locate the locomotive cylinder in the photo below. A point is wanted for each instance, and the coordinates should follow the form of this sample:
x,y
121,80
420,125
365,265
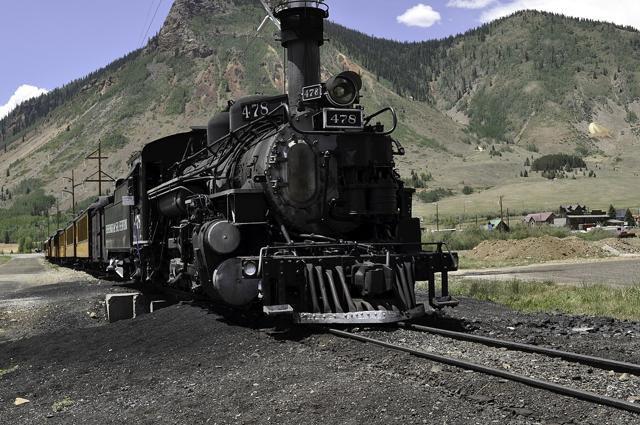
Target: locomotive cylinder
x,y
221,237
173,204
231,287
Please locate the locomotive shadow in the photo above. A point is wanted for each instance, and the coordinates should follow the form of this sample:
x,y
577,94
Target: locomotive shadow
x,y
440,320
284,329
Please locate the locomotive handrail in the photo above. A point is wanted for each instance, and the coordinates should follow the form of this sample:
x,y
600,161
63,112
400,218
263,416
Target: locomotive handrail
x,y
171,185
264,251
239,129
380,112
192,175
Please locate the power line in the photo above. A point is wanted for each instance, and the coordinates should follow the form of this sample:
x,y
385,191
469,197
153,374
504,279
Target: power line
x,y
144,23
150,23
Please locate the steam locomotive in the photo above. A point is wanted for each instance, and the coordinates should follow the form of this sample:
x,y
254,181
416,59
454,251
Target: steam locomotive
x,y
290,202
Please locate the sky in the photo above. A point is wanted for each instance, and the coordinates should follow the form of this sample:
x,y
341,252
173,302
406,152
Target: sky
x,y
45,44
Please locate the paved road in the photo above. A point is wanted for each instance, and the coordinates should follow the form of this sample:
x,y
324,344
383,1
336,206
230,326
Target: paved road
x,y
18,272
619,271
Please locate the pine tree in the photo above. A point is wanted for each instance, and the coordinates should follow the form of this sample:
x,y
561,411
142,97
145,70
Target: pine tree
x,y
628,217
611,212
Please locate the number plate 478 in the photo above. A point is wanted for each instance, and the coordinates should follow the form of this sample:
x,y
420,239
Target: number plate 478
x,y
342,118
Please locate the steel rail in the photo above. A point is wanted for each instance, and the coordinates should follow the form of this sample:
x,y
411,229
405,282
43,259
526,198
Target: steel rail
x,y
532,382
599,362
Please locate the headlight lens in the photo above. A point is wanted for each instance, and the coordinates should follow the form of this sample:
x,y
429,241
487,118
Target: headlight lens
x,y
342,91
249,268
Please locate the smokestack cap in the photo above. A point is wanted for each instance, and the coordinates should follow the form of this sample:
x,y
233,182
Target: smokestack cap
x,y
302,20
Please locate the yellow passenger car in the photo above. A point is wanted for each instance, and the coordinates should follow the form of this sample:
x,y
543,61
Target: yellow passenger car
x,y
82,236
70,250
62,244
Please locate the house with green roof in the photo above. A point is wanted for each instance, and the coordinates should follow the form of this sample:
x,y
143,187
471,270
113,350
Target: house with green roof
x,y
497,224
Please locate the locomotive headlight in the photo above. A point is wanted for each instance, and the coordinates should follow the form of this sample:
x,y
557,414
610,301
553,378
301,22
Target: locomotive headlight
x,y
344,89
249,268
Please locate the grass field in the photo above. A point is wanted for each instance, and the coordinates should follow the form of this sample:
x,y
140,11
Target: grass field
x,y
4,259
469,263
537,196
472,236
593,300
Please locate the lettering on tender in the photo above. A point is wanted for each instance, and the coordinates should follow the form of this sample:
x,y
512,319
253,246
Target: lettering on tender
x,y
116,227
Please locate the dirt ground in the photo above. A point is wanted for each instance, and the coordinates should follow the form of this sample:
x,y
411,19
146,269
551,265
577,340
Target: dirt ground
x,y
570,260
202,364
608,271
545,248
8,248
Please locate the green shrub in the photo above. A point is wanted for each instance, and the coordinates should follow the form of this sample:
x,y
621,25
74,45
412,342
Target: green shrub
x,y
435,195
418,181
558,162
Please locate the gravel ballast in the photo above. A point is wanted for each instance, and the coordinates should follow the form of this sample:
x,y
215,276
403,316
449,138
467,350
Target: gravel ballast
x,y
199,364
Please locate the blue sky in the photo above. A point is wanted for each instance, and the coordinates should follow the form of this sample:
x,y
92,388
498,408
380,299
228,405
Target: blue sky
x,y
46,43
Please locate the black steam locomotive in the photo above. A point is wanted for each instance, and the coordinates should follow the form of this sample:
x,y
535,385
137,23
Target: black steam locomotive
x,y
292,202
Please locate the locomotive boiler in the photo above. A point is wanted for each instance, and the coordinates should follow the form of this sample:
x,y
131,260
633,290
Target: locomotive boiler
x,y
289,202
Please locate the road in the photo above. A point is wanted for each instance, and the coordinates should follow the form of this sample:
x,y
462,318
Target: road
x,y
20,271
618,272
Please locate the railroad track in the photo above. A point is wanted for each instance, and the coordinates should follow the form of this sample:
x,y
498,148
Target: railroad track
x,y
598,362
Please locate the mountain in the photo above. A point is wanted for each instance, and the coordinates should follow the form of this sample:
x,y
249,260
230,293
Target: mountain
x,y
473,108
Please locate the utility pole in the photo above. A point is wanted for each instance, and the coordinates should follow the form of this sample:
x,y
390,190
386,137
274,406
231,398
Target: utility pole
x,y
437,219
57,214
72,191
501,214
97,155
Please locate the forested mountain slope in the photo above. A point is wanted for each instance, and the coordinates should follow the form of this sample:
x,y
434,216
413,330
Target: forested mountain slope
x,y
474,108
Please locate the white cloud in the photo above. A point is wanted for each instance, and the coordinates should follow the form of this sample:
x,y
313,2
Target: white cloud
x,y
421,15
470,4
24,92
621,12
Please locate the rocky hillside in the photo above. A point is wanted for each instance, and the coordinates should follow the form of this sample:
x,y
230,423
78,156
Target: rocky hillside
x,y
474,108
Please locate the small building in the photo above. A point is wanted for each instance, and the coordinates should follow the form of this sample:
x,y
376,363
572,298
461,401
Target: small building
x,y
576,209
585,221
539,219
559,222
497,224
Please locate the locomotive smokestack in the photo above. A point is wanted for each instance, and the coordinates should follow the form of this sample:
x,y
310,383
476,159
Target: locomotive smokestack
x,y
302,34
